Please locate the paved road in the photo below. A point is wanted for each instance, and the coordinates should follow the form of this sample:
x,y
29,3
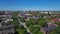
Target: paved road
x,y
23,24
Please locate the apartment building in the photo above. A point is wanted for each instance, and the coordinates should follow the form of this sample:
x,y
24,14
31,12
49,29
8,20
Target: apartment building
x,y
7,29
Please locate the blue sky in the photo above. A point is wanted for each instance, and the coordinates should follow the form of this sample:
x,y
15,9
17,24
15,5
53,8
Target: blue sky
x,y
29,4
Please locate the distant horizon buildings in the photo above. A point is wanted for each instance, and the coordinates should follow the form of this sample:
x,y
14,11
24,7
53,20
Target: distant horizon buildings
x,y
29,10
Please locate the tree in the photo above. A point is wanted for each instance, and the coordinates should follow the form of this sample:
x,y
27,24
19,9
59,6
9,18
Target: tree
x,y
39,32
55,31
34,29
16,32
22,19
31,27
21,27
15,16
41,22
29,23
58,30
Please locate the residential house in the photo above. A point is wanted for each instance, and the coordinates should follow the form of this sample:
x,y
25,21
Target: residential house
x,y
5,16
9,20
50,26
56,20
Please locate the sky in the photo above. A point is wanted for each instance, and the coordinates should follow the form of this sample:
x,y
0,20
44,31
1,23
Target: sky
x,y
29,4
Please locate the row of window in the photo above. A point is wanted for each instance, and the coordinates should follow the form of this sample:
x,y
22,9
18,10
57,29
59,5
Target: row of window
x,y
6,28
7,33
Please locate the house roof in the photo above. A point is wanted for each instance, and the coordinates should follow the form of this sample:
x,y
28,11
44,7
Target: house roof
x,y
56,19
48,29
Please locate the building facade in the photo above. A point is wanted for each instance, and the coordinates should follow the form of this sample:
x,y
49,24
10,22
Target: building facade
x,y
7,29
